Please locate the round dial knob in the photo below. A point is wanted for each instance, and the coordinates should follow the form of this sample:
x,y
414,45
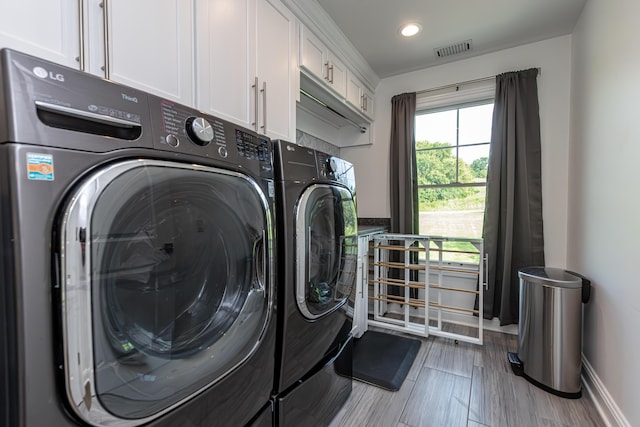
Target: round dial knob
x,y
199,130
332,165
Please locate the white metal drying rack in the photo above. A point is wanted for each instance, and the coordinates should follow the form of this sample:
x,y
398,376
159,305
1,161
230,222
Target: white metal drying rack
x,y
426,284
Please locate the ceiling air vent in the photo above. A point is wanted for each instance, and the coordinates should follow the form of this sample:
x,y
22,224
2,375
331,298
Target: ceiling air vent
x,y
453,49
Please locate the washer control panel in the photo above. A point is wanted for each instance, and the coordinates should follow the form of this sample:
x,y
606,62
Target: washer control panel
x,y
182,125
199,130
179,128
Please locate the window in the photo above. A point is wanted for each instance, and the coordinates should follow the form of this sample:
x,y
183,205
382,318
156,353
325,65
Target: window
x,y
452,153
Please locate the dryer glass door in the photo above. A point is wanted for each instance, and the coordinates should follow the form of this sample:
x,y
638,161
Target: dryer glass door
x,y
167,273
327,249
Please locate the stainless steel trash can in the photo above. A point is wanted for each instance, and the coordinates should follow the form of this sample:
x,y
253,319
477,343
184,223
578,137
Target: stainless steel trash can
x,y
550,329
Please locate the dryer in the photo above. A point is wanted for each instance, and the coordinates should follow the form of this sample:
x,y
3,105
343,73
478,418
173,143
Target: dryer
x,y
137,257
317,227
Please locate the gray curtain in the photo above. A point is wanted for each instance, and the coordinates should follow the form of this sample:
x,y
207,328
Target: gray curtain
x,y
403,174
513,230
403,179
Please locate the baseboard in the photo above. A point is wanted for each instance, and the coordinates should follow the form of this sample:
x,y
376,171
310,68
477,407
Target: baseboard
x,y
494,325
604,403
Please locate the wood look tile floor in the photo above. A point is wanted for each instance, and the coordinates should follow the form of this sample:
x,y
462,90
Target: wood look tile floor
x,y
464,385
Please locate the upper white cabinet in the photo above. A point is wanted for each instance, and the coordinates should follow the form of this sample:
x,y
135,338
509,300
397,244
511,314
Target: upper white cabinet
x,y
246,64
223,59
48,29
317,59
276,67
358,96
146,44
327,79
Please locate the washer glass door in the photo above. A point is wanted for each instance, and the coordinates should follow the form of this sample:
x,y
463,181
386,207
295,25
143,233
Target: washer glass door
x,y
326,249
167,274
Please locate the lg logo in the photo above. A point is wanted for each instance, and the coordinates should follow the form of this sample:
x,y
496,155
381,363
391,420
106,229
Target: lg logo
x,y
43,74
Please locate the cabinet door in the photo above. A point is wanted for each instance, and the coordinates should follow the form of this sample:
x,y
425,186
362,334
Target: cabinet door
x,y
359,97
275,68
224,51
367,103
337,75
318,60
313,54
354,91
150,46
48,29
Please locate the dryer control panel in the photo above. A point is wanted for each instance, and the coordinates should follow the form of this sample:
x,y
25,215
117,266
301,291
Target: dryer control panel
x,y
335,169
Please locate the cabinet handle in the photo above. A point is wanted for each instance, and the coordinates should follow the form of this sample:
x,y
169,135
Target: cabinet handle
x,y
80,57
362,102
254,86
326,77
331,70
105,19
366,102
264,107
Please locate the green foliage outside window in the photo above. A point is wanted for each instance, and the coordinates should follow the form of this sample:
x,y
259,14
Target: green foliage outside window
x,y
479,167
436,164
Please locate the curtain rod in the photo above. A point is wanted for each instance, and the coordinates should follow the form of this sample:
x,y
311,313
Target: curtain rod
x,y
483,79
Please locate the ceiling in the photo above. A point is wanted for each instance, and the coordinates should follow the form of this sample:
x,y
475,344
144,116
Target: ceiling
x,y
373,26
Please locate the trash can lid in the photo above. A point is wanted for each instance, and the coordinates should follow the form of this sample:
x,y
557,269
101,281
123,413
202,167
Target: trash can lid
x,y
550,276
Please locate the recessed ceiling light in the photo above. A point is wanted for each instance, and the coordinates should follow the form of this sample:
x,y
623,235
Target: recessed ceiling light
x,y
409,30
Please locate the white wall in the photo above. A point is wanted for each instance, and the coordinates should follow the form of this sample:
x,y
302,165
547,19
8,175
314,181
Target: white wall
x,y
604,198
554,57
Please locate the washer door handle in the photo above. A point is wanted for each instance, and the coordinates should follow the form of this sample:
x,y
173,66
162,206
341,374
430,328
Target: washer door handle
x,y
259,262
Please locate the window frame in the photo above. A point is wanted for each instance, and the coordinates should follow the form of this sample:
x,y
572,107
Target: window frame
x,y
449,98
457,146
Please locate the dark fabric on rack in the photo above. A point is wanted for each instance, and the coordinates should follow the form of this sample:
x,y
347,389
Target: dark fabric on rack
x,y
513,229
403,178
